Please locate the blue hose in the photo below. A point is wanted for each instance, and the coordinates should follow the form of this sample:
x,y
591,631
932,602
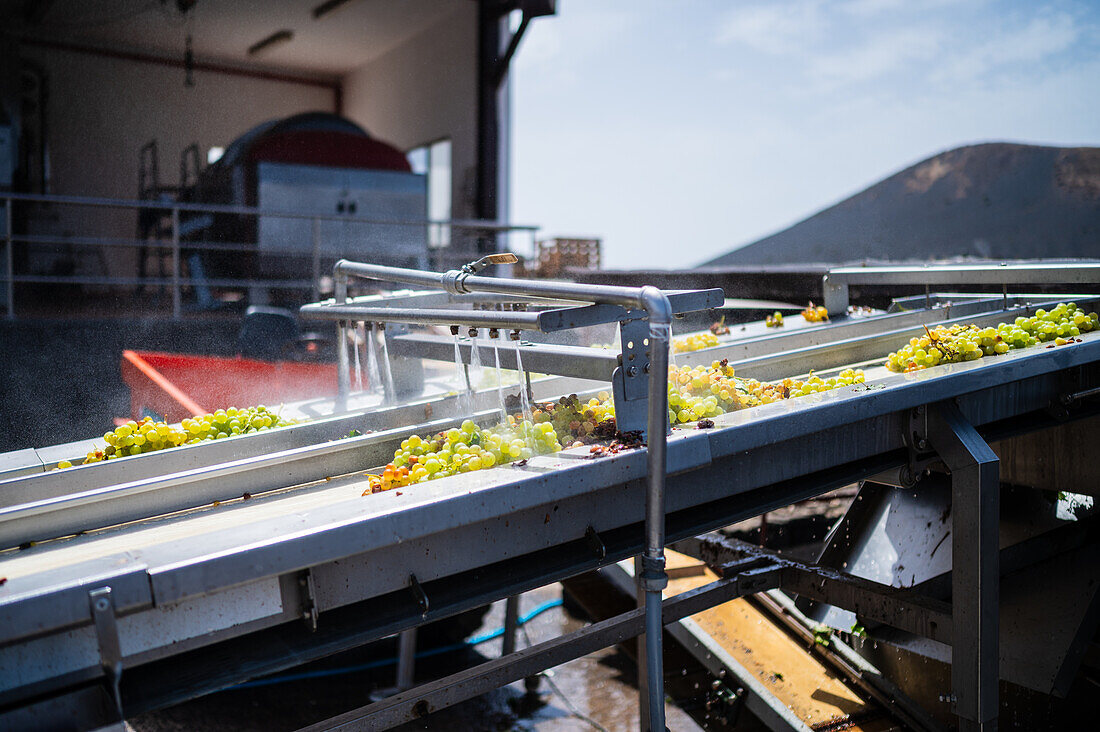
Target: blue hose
x,y
468,643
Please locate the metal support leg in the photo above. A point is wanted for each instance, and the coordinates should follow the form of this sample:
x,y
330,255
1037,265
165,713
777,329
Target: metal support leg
x,y
106,629
508,646
406,659
653,576
975,576
511,622
343,367
643,672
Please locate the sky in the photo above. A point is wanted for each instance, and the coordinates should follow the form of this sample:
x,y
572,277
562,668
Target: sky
x,y
678,130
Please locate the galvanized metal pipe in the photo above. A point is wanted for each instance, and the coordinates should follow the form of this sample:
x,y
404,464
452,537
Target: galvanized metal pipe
x,y
423,316
611,294
654,578
381,272
458,283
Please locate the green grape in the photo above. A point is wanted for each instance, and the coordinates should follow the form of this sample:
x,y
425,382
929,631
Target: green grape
x,y
960,342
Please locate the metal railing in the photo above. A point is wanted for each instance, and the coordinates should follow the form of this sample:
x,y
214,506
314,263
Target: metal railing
x,y
1036,272
178,241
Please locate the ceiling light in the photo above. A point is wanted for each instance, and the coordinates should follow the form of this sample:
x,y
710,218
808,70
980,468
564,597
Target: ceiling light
x,y
273,40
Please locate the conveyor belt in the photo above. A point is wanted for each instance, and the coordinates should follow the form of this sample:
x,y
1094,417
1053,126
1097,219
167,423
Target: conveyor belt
x,y
466,539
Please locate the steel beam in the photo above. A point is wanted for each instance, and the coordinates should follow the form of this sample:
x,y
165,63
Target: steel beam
x,y
975,575
595,364
897,607
837,280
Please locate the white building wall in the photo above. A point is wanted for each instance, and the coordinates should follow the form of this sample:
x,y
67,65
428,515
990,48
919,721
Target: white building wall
x,y
423,91
101,110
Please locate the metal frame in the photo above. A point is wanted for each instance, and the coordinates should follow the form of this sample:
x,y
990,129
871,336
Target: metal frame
x,y
975,576
970,623
637,386
837,280
362,552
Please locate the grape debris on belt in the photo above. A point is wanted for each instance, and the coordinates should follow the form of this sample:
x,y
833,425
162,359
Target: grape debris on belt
x,y
696,342
815,314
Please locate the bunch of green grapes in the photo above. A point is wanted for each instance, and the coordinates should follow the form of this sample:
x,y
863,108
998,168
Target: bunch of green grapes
x,y
232,421
462,450
705,392
943,344
775,320
576,421
1065,320
814,384
135,438
957,343
701,392
696,342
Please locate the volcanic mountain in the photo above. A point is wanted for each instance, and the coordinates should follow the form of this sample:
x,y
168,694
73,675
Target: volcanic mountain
x,y
990,201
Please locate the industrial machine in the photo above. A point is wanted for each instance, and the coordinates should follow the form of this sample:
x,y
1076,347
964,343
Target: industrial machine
x,y
373,205
137,583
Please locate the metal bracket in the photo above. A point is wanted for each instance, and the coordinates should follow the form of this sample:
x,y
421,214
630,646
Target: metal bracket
x,y
751,581
835,296
630,381
308,593
723,703
110,653
921,454
595,542
1070,382
653,577
634,337
419,594
630,414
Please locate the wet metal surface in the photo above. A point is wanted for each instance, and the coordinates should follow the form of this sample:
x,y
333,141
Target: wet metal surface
x,y
596,692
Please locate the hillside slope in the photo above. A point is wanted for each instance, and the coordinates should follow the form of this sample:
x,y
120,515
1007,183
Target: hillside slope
x,y
995,201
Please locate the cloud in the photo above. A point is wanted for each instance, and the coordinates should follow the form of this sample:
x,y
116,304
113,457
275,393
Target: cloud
x,y
879,55
1036,42
776,28
868,8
